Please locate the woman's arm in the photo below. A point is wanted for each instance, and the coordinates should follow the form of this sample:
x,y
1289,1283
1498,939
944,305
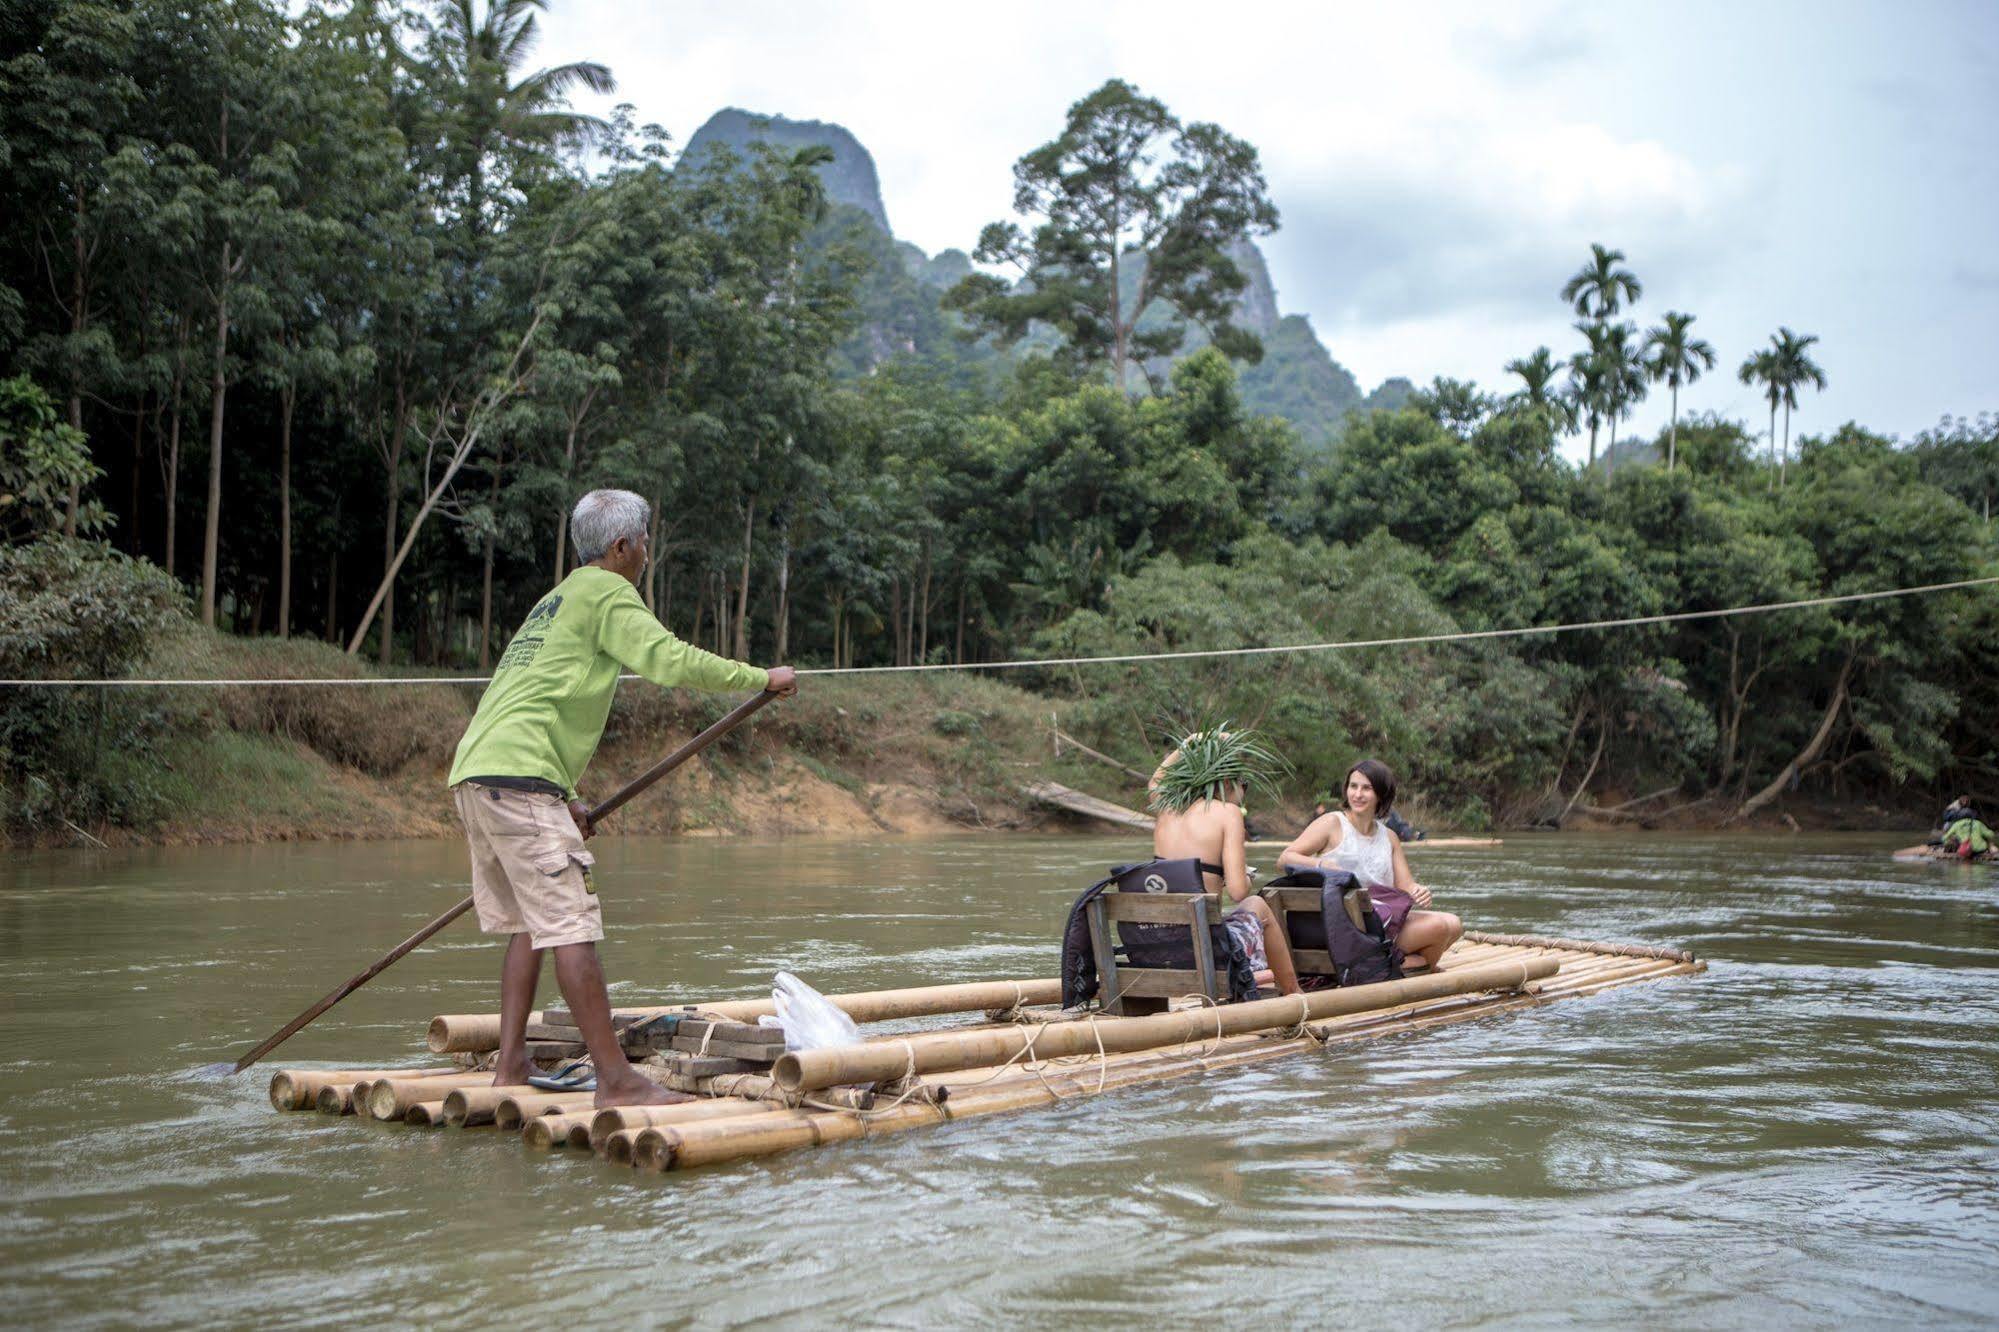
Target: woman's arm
x,y
1304,852
1403,878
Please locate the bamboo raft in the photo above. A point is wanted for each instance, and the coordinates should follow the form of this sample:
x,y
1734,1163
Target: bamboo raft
x,y
1938,854
1016,1052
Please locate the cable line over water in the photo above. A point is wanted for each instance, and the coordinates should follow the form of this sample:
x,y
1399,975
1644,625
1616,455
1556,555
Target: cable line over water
x,y
1193,654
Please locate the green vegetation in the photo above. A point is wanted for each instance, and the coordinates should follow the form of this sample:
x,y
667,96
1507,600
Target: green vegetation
x,y
348,269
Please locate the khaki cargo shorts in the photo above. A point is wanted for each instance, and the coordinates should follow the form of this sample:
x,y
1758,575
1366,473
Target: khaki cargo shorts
x,y
530,873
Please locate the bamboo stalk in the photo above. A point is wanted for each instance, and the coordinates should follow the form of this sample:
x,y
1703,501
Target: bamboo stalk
x,y
425,1114
475,1105
940,1052
1580,945
617,1119
478,1032
337,1098
567,1129
514,1111
391,1098
298,1088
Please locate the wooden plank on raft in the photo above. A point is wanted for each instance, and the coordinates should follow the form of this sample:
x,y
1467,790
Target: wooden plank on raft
x,y
742,1033
761,1053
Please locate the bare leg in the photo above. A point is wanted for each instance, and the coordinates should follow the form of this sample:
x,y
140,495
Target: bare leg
x,y
1275,946
1427,935
520,973
581,977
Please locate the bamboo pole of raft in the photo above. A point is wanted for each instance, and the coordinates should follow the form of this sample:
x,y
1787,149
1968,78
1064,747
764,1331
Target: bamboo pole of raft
x,y
569,1129
942,1052
618,1118
467,1107
476,1033
514,1111
298,1088
391,1098
425,1114
702,1144
1578,945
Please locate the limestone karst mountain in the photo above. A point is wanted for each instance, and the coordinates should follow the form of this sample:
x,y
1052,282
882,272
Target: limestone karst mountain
x,y
1297,379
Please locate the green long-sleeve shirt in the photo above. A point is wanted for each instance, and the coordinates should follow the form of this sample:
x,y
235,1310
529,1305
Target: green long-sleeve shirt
x,y
544,712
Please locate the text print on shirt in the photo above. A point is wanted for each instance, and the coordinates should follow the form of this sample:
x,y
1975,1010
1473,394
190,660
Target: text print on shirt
x,y
526,644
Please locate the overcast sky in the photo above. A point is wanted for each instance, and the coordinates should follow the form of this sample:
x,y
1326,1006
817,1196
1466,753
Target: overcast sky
x,y
1441,169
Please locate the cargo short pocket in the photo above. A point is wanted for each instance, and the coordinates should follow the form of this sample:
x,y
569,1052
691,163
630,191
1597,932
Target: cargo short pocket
x,y
555,863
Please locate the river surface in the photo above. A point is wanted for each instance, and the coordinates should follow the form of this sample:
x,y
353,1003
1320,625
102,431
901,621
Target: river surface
x,y
1804,1135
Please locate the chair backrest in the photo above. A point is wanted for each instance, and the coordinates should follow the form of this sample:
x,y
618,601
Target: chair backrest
x,y
1162,915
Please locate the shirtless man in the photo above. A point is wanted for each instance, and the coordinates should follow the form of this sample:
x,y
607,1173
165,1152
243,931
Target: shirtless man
x,y
1211,829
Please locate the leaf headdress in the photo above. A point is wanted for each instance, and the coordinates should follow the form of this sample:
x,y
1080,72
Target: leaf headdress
x,y
1212,760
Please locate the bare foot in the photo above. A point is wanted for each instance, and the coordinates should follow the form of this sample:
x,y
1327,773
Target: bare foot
x,y
514,1075
636,1090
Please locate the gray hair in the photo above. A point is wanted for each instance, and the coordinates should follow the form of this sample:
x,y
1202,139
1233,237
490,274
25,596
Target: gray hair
x,y
602,516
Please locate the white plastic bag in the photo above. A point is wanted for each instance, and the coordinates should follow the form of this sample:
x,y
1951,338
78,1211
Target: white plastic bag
x,y
809,1020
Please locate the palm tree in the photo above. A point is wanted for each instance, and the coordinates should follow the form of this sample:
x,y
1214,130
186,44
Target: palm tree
x,y
1761,368
1677,359
477,60
1623,380
1795,367
1588,372
1600,285
1541,392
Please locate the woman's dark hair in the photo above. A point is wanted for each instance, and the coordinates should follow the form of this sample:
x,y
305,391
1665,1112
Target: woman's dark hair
x,y
1379,777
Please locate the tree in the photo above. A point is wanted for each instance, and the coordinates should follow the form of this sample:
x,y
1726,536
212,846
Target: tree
x,y
1125,186
1539,391
1678,359
1623,387
1589,379
1600,288
1455,404
1795,369
1761,367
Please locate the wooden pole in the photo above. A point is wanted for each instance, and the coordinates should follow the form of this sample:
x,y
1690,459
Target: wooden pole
x,y
567,1129
476,1033
514,1111
941,1052
735,718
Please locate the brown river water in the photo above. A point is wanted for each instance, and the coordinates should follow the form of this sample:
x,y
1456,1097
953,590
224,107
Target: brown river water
x,y
1808,1134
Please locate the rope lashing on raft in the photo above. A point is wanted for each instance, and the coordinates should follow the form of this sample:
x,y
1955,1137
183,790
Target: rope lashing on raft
x,y
1030,663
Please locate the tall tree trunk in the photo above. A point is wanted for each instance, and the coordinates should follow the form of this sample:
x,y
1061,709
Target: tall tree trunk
x,y
486,578
1775,475
958,648
398,423
173,444
218,388
1673,431
138,460
1808,754
333,581
742,640
287,399
79,320
783,600
923,609
700,613
1784,455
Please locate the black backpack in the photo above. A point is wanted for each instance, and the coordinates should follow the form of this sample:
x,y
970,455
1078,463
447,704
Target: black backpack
x,y
1346,927
1149,945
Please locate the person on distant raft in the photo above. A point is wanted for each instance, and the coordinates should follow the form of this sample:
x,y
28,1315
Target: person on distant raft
x,y
519,762
1197,796
1359,841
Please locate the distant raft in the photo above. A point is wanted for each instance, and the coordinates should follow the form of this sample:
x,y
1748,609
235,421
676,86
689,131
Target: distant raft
x,y
1018,1052
1937,853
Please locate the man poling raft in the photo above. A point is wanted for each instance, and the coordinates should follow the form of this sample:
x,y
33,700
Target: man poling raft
x,y
519,762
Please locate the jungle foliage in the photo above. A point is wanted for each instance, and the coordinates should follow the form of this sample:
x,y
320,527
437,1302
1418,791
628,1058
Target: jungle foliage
x,y
317,318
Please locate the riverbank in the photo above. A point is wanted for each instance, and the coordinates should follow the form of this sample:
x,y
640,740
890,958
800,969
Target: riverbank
x,y
850,756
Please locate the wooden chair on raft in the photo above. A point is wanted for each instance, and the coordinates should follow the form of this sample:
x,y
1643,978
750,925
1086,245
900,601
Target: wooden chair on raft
x,y
1298,911
1138,918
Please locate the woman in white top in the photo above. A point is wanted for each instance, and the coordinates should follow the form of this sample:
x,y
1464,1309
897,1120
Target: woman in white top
x,y
1355,840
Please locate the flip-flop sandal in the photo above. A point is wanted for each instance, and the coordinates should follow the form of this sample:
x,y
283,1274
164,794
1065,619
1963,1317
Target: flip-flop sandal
x,y
575,1076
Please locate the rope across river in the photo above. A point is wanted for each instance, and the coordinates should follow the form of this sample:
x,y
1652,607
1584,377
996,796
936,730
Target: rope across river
x,y
1042,663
